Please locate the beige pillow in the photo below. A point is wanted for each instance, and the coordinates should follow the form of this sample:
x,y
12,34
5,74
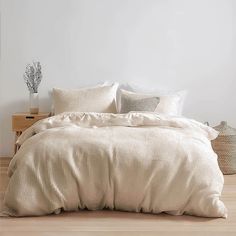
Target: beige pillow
x,y
94,99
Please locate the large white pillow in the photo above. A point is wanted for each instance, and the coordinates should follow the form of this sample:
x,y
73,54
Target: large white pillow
x,y
94,99
172,104
169,104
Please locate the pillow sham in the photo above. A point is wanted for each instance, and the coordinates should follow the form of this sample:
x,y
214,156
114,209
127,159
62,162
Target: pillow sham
x,y
169,104
137,102
172,104
94,99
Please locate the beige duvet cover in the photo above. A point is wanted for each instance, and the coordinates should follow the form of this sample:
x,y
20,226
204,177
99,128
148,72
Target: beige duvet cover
x,y
133,162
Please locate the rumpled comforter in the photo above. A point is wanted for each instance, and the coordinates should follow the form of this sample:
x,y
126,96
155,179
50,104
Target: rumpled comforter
x,y
141,162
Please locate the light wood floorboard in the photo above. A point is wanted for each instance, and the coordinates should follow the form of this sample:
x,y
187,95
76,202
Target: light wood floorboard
x,y
105,223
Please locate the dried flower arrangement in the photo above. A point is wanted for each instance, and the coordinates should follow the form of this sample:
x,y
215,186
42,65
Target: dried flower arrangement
x,y
33,76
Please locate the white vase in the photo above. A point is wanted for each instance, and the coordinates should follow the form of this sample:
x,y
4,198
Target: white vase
x,y
34,103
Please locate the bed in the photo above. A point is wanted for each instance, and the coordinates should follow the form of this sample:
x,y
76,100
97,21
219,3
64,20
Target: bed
x,y
138,161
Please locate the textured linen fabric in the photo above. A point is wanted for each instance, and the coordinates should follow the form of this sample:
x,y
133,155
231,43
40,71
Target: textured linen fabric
x,y
132,162
97,99
133,102
169,103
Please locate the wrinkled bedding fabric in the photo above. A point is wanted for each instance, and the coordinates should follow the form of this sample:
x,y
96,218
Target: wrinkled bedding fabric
x,y
141,162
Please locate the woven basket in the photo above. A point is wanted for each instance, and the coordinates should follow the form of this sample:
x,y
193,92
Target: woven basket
x,y
225,147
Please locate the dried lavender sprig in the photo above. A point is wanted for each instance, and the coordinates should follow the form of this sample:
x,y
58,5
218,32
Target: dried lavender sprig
x,y
33,76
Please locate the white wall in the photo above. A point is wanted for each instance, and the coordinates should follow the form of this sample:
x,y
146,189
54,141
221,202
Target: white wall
x,y
173,44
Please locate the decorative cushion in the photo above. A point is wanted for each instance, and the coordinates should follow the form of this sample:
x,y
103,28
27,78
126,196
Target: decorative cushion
x,y
137,102
169,104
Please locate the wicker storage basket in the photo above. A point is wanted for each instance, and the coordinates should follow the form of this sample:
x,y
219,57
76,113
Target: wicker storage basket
x,y
225,147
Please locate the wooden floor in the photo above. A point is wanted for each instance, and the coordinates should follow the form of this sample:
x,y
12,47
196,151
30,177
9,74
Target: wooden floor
x,y
120,223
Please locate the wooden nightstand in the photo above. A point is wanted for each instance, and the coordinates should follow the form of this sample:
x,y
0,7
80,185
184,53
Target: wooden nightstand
x,y
22,121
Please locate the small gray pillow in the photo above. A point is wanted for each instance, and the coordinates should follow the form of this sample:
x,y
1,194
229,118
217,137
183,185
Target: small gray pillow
x,y
137,102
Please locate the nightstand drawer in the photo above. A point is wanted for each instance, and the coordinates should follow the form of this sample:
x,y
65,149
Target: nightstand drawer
x,y
20,122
